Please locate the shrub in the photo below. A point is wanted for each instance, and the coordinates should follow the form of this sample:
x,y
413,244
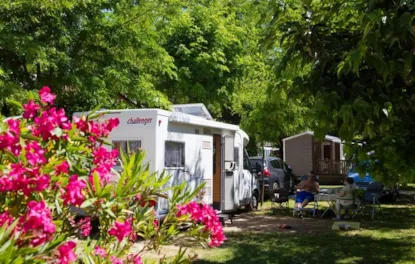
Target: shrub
x,y
52,169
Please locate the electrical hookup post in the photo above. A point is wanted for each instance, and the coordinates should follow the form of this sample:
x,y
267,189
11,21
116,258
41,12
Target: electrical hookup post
x,y
263,178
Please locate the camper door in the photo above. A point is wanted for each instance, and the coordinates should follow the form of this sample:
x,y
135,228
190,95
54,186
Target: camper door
x,y
228,195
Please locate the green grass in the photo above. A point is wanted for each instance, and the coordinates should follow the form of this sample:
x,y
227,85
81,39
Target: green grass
x,y
388,239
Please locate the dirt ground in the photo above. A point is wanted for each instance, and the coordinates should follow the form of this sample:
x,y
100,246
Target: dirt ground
x,y
260,221
255,222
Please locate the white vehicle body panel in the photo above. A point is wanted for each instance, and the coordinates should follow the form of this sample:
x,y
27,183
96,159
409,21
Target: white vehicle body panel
x,y
153,127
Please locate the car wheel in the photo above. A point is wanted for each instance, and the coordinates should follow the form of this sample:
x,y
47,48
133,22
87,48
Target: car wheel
x,y
275,186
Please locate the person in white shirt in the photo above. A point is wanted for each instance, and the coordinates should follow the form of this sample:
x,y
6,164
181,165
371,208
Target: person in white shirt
x,y
345,196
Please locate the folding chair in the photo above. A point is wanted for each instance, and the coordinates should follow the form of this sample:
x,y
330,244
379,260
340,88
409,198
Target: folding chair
x,y
280,200
313,204
372,196
358,203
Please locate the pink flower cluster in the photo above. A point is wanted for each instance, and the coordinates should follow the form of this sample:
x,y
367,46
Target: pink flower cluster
x,y
38,223
24,179
202,213
5,219
85,226
121,230
66,254
102,253
104,161
73,194
49,120
94,130
33,170
10,139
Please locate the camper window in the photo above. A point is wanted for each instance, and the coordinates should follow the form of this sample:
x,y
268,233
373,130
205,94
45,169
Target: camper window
x,y
121,145
174,154
247,163
236,156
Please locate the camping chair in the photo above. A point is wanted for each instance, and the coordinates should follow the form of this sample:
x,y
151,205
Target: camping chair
x,y
358,203
311,206
280,200
372,196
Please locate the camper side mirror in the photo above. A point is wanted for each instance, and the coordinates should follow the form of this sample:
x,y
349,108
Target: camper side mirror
x,y
289,169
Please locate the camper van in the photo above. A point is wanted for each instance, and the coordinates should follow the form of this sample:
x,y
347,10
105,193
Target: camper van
x,y
191,147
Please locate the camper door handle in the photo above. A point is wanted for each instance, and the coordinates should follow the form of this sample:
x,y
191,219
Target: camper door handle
x,y
233,165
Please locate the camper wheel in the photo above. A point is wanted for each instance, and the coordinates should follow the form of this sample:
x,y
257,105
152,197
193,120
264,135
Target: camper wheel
x,y
253,202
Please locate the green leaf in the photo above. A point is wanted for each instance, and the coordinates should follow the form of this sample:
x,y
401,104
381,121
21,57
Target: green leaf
x,y
10,155
77,138
97,184
93,111
367,29
89,202
30,137
15,103
340,69
405,19
108,210
58,207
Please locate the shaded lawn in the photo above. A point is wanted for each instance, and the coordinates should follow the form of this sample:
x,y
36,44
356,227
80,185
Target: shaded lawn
x,y
388,239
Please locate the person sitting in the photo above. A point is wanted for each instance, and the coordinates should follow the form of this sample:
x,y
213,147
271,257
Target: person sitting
x,y
307,188
345,196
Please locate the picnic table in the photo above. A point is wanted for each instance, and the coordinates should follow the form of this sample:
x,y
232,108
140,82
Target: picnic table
x,y
330,197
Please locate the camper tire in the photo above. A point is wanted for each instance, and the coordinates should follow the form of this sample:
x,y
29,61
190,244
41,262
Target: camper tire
x,y
253,202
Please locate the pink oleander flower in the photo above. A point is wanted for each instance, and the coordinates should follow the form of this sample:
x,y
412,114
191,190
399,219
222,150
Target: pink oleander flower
x,y
103,173
62,168
35,154
105,158
38,184
99,251
95,130
156,224
38,222
30,109
66,253
73,191
46,96
5,219
10,142
27,180
14,126
121,230
115,260
201,213
134,259
112,123
45,124
81,124
85,226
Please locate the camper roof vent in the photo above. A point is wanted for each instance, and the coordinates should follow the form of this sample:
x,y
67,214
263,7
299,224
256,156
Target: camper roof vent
x,y
199,110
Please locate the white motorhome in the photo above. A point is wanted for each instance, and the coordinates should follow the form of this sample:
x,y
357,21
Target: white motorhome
x,y
192,148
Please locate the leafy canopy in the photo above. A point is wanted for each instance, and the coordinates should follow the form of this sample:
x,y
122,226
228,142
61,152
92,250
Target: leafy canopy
x,y
361,78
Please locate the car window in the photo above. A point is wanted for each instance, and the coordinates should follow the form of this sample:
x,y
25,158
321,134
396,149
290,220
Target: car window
x,y
285,166
247,163
254,163
276,164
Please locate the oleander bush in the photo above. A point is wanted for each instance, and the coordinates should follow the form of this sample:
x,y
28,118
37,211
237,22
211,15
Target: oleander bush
x,y
53,170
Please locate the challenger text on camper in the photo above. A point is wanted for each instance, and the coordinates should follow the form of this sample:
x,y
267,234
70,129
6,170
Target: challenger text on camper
x,y
138,120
